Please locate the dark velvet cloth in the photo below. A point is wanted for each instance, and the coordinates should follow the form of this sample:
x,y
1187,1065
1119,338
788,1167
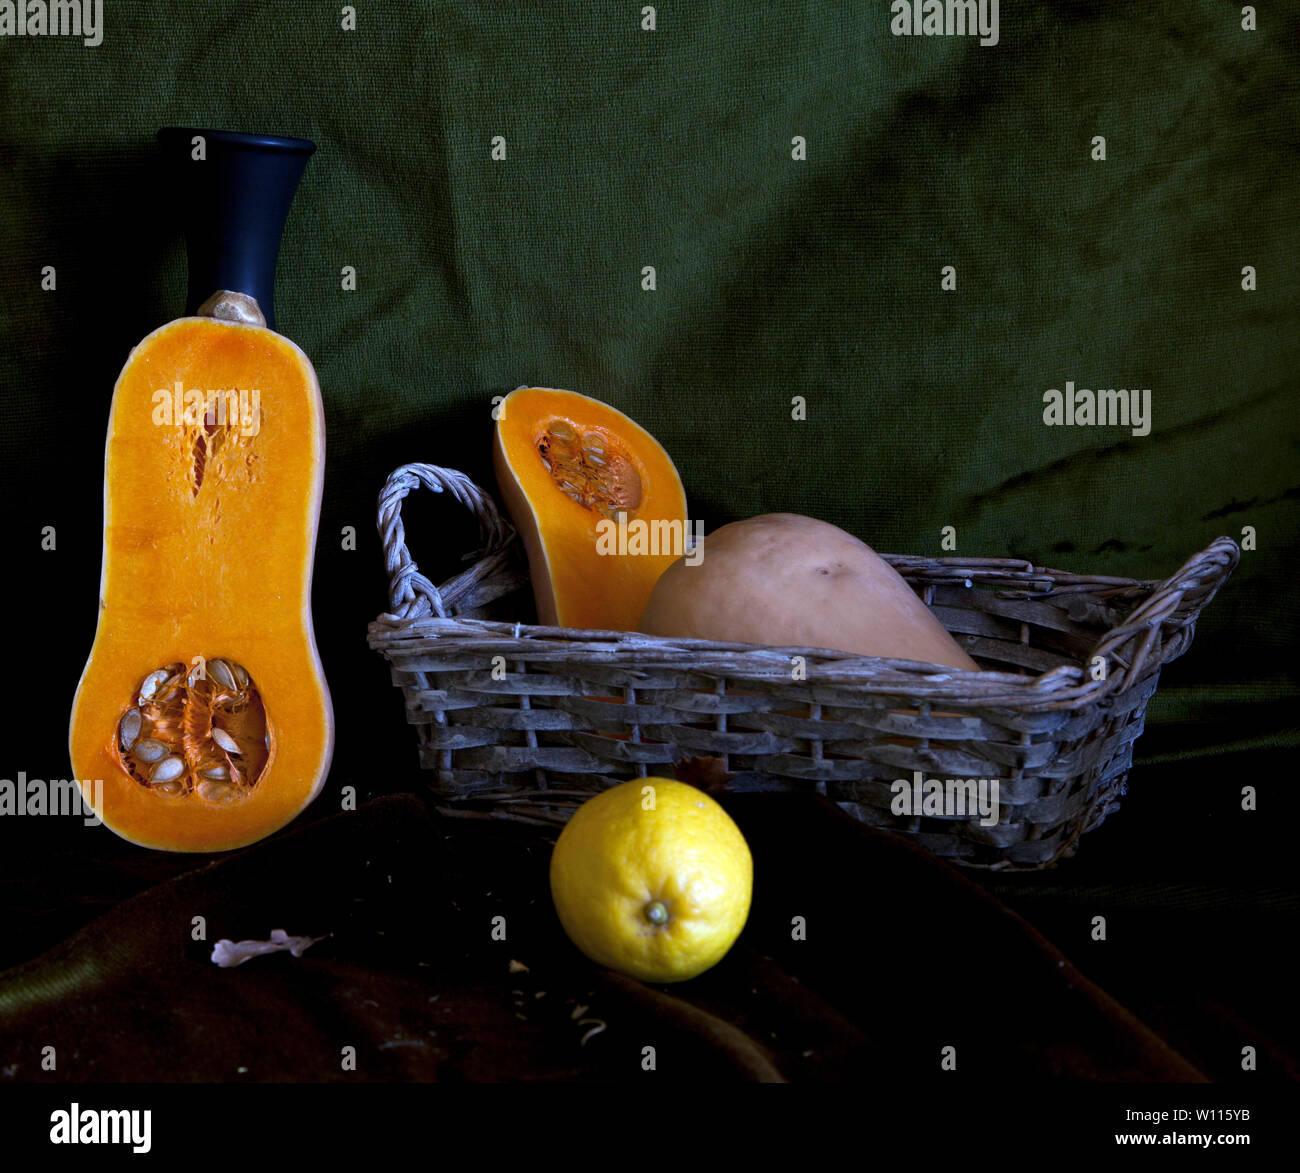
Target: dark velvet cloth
x,y
863,959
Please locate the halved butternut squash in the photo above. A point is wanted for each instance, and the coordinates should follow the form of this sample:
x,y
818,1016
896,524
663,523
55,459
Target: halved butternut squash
x,y
202,721
597,502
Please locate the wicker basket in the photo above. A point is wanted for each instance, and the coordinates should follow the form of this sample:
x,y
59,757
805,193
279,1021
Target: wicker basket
x,y
525,722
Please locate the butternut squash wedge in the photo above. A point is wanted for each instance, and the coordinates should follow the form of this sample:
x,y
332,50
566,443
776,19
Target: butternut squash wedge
x,y
202,721
572,471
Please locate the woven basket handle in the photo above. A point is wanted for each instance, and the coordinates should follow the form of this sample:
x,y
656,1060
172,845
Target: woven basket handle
x,y
1163,624
410,593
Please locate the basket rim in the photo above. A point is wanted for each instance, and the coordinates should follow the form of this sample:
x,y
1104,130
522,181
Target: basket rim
x,y
770,663
740,664
1130,649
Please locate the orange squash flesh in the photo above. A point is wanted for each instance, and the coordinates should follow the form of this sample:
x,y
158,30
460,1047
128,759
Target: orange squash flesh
x,y
575,585
209,556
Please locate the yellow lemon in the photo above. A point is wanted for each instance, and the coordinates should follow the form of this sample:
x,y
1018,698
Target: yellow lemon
x,y
652,878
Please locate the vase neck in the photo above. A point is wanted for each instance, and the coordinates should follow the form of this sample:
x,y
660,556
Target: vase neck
x,y
235,191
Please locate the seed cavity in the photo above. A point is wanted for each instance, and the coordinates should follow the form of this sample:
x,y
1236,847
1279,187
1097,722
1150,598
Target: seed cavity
x,y
169,739
592,469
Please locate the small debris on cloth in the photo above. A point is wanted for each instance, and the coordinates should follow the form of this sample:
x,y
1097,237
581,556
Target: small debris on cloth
x,y
517,966
231,953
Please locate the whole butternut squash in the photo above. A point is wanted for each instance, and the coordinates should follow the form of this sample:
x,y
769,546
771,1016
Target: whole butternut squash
x,y
790,581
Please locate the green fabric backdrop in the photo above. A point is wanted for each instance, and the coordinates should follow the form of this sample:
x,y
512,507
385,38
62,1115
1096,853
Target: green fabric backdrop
x,y
775,278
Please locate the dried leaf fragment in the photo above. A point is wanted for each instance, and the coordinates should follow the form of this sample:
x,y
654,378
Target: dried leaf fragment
x,y
231,953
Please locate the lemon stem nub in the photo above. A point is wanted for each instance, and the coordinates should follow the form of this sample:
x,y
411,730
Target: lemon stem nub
x,y
656,912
